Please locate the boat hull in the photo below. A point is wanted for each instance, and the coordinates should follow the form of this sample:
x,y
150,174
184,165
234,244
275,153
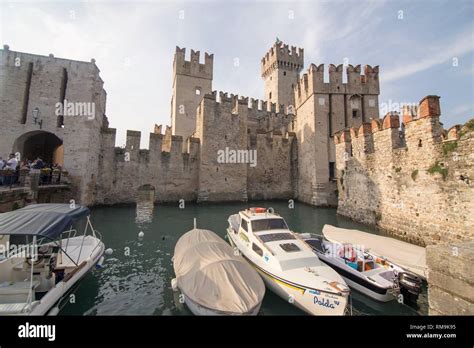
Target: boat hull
x,y
311,301
197,309
382,297
358,283
62,289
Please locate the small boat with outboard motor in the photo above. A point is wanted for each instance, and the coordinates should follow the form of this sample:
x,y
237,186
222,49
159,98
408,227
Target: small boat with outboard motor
x,y
44,257
286,263
213,278
364,266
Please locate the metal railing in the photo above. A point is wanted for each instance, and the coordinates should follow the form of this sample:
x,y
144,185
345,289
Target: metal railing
x,y
31,177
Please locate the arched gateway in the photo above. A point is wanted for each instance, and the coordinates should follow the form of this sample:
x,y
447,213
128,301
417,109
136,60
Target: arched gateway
x,y
42,144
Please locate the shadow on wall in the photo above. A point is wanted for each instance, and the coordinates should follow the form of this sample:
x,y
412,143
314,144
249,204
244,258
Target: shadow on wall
x,y
361,205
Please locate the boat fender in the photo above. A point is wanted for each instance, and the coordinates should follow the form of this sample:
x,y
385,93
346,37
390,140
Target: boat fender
x,y
100,263
174,284
109,251
54,311
141,234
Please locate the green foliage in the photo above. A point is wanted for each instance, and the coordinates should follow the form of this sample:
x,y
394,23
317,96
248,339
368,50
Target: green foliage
x,y
449,146
437,168
469,127
414,174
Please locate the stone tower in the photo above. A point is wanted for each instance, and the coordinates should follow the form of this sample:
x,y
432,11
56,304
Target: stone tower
x,y
191,81
31,87
280,70
323,108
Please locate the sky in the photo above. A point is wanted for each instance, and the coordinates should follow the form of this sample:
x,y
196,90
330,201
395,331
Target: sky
x,y
422,46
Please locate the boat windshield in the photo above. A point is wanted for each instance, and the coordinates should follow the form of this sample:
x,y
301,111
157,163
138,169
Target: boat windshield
x,y
268,224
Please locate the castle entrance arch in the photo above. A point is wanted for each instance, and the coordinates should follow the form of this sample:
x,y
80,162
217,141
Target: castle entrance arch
x,y
42,144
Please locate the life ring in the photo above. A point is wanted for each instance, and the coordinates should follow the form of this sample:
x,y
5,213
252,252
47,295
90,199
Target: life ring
x,y
260,210
348,253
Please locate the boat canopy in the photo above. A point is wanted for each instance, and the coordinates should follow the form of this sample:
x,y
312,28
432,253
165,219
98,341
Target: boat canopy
x,y
406,255
42,220
210,274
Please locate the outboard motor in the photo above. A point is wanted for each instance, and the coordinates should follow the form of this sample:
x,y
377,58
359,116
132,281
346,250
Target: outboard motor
x,y
410,286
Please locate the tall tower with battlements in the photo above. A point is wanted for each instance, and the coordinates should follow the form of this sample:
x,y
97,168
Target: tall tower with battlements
x,y
280,70
191,81
323,108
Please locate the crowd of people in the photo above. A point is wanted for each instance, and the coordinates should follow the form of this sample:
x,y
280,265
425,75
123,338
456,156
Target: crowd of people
x,y
9,169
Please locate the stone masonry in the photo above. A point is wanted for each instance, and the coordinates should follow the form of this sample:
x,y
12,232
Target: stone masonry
x,y
414,181
31,82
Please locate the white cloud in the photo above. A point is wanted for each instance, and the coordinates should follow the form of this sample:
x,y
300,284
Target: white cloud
x,y
441,53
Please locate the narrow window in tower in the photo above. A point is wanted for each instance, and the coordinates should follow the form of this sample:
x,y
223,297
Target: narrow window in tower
x,y
62,97
354,113
284,73
26,95
270,96
331,170
330,124
198,90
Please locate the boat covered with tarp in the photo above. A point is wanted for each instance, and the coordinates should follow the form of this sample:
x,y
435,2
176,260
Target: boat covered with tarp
x,y
408,256
214,279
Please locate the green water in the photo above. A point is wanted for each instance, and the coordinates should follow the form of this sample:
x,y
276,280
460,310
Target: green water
x,y
136,279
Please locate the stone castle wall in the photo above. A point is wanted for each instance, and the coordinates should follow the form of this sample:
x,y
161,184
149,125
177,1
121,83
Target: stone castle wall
x,y
191,170
451,278
164,166
322,109
31,81
415,182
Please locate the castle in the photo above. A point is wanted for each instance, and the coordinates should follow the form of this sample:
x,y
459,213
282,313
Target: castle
x,y
320,142
292,131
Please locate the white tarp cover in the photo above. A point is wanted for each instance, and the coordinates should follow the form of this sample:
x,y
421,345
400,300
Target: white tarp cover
x,y
210,274
406,255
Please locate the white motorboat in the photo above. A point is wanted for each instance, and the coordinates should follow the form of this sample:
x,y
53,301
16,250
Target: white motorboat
x,y
408,256
42,258
213,278
365,272
286,263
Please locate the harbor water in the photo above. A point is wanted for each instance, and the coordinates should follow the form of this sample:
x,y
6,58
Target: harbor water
x,y
136,278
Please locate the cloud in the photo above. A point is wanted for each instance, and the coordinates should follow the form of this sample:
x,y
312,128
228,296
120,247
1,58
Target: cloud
x,y
145,33
438,55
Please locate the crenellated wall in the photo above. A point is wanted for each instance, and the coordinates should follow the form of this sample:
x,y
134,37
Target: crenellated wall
x,y
191,169
413,180
227,122
171,171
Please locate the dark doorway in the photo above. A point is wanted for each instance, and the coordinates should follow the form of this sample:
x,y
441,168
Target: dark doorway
x,y
40,144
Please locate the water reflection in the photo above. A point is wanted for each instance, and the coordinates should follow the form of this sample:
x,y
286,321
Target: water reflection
x,y
145,205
